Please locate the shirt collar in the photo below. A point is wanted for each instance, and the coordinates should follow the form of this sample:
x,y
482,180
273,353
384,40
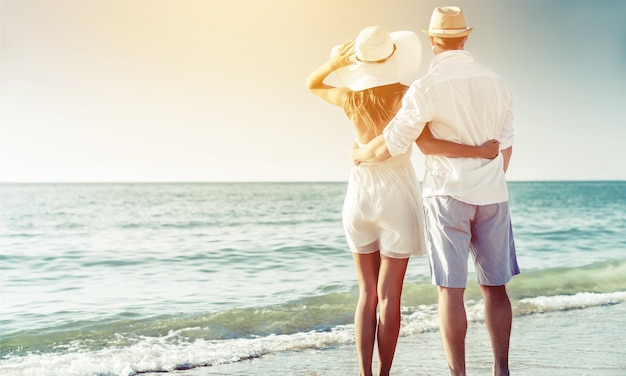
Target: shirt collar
x,y
452,55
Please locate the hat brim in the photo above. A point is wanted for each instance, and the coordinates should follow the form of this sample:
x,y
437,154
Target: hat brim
x,y
448,33
403,66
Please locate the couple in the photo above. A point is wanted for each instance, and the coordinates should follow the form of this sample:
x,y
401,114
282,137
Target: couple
x,y
460,116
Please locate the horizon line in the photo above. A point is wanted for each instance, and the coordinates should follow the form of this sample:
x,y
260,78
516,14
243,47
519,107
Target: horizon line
x,y
271,181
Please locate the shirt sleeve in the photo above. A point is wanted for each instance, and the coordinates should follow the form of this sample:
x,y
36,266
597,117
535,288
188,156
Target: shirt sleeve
x,y
507,134
409,122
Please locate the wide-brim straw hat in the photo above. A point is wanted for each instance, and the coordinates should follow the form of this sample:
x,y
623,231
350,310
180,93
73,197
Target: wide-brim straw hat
x,y
382,58
448,22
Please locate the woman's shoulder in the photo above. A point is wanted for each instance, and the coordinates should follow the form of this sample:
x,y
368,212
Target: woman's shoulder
x,y
386,91
398,86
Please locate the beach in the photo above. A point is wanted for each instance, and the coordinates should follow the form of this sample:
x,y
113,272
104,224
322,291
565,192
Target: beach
x,y
541,344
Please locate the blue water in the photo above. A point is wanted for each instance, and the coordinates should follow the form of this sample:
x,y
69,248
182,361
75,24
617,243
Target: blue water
x,y
122,279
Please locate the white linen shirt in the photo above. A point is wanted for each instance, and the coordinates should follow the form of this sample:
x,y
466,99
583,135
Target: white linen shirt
x,y
465,103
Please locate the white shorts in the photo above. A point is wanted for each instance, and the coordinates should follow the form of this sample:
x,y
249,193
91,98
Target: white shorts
x,y
383,209
456,229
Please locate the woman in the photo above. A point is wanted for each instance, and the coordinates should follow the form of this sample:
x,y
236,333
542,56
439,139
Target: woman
x,y
382,213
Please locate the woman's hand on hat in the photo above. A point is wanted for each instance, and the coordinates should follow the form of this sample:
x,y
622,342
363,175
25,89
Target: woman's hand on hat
x,y
344,55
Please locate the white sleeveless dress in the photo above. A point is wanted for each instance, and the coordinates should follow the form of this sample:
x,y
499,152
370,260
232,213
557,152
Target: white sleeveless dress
x,y
383,209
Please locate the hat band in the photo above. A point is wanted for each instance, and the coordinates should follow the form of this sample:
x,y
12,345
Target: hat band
x,y
378,61
445,30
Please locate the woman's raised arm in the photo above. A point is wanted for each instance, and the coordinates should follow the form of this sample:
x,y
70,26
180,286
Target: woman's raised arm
x,y
315,80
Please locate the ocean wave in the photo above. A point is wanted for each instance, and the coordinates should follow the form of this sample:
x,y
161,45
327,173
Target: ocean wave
x,y
186,348
542,304
600,277
325,308
131,344
311,314
166,353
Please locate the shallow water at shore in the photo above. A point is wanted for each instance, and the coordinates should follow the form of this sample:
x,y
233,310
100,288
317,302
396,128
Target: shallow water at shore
x,y
577,342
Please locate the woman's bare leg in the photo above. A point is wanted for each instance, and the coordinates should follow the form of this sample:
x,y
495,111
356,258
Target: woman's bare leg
x,y
367,266
390,282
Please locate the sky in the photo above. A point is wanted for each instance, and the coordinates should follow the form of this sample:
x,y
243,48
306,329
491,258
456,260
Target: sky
x,y
207,90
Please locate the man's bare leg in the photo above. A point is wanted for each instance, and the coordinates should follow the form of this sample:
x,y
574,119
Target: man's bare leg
x,y
498,317
453,324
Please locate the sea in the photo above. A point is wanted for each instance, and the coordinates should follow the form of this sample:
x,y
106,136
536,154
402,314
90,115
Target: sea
x,y
121,279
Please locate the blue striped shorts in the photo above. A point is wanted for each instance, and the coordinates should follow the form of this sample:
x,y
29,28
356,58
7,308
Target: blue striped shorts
x,y
456,229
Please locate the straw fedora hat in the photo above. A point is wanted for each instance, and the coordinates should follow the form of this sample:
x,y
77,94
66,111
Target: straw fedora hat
x,y
381,58
447,22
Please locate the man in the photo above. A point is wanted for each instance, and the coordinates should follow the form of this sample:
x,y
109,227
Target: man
x,y
465,199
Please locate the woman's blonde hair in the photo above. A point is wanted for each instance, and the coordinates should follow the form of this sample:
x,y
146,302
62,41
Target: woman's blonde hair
x,y
376,106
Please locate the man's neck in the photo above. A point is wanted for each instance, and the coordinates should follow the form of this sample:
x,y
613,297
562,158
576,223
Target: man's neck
x,y
442,50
